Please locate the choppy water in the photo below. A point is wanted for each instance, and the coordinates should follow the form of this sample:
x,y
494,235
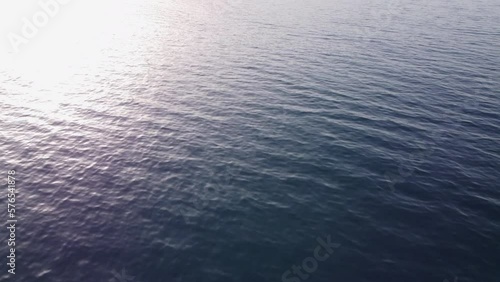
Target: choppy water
x,y
216,140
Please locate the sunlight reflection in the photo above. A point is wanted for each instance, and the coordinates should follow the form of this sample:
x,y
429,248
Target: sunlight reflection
x,y
75,44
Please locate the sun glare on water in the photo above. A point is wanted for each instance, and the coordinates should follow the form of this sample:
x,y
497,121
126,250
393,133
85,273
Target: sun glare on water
x,y
49,46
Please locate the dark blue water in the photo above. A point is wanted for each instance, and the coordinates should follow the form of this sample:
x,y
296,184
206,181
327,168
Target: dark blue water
x,y
225,140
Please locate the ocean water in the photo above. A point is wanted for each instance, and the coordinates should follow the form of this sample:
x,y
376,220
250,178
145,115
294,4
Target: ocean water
x,y
221,140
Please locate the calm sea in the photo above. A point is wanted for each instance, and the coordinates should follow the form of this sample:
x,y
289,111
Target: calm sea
x,y
232,140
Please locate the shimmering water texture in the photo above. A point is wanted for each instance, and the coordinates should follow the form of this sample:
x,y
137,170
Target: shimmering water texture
x,y
201,141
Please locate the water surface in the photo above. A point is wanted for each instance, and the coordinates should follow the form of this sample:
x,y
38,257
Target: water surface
x,y
217,140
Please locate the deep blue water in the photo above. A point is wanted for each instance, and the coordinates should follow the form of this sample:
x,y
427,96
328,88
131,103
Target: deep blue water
x,y
218,141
